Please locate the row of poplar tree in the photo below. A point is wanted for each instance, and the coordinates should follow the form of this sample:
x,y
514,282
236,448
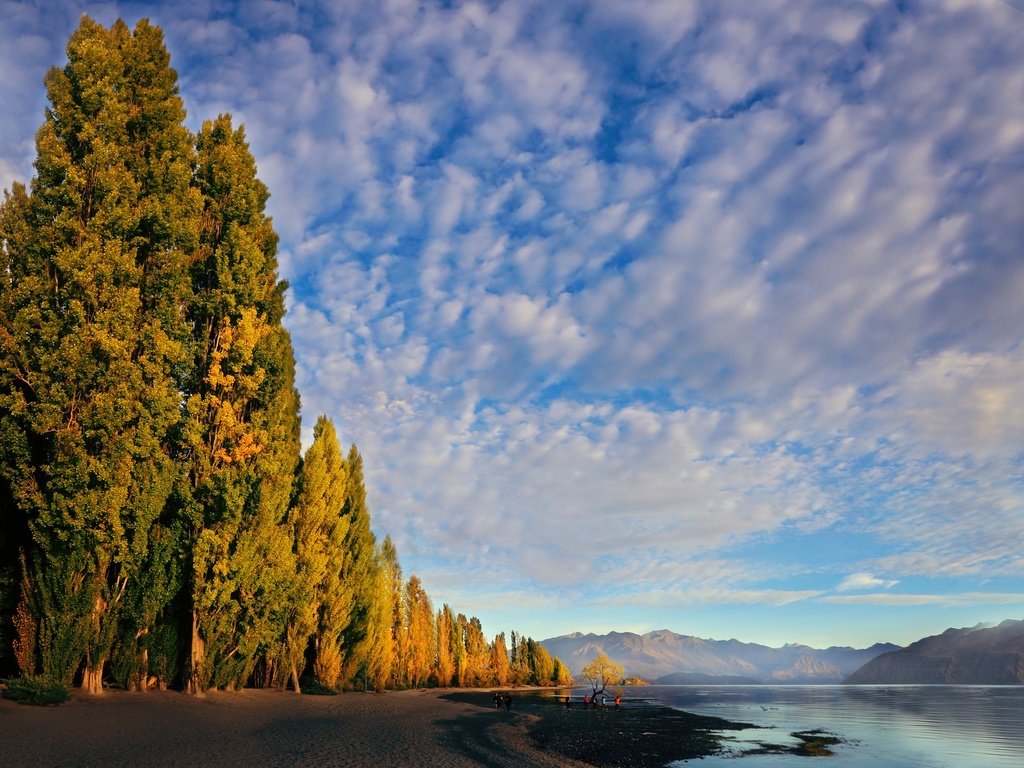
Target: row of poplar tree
x,y
159,525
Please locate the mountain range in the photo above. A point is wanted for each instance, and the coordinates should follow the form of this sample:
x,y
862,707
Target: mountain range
x,y
976,655
665,657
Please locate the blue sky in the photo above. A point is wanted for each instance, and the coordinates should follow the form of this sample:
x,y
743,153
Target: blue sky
x,y
652,314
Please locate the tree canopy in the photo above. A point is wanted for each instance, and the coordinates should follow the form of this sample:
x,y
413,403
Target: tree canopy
x,y
602,672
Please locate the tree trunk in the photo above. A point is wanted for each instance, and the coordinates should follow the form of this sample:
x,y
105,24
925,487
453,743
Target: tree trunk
x,y
92,675
295,679
144,677
197,650
265,674
92,678
139,681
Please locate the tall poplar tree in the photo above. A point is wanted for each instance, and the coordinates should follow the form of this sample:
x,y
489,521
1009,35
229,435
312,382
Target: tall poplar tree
x,y
519,665
541,665
460,659
358,572
478,671
14,534
499,660
320,603
94,337
379,644
421,634
445,666
394,593
242,424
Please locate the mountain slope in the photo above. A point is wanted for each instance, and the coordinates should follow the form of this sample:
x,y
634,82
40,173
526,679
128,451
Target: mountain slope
x,y
972,656
807,669
656,654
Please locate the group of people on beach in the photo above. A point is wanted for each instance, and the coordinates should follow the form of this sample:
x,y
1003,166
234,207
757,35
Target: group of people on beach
x,y
591,701
502,698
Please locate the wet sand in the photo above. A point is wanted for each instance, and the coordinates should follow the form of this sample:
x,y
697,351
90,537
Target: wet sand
x,y
254,728
639,734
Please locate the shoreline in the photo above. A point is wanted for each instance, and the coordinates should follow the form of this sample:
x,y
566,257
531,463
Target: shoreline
x,y
448,728
639,734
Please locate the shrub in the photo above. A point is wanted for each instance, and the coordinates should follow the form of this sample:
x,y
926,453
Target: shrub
x,y
315,688
35,689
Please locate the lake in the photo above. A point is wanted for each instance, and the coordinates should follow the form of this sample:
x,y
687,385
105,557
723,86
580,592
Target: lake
x,y
919,726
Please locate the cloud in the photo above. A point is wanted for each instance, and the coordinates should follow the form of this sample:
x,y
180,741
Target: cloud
x,y
960,403
862,581
767,230
628,291
965,599
655,598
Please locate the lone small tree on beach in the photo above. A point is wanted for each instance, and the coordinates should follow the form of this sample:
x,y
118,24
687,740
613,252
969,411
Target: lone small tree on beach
x,y
602,672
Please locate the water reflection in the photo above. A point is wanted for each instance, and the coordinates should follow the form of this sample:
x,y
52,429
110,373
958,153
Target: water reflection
x,y
894,727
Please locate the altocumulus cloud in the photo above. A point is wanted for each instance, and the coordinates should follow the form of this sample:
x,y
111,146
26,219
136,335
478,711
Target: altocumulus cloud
x,y
624,292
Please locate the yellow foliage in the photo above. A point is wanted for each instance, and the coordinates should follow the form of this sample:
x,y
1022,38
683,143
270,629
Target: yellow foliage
x,y
233,380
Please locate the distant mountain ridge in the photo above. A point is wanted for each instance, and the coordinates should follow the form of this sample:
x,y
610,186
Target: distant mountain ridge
x,y
967,656
667,657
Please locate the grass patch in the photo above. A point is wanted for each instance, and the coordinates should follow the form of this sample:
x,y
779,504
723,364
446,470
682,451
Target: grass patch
x,y
35,689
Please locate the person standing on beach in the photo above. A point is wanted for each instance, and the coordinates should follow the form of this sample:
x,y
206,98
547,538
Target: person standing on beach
x,y
508,702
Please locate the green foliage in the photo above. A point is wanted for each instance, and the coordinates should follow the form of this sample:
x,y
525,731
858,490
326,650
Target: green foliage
x,y
241,423
63,607
560,676
379,645
9,587
149,423
97,272
146,643
312,687
393,593
163,650
35,689
321,600
360,640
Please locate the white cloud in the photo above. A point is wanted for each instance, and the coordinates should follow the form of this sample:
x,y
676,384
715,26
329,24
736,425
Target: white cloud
x,y
644,281
965,599
655,598
960,403
862,581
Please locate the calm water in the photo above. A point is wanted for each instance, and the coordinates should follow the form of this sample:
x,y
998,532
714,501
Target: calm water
x,y
896,727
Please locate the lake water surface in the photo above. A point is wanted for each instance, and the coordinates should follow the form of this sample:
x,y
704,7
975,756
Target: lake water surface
x,y
919,726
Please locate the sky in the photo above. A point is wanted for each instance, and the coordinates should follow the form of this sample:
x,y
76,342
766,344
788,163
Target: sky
x,y
703,316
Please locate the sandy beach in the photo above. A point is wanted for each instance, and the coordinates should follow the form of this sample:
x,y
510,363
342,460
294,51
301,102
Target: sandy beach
x,y
255,728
